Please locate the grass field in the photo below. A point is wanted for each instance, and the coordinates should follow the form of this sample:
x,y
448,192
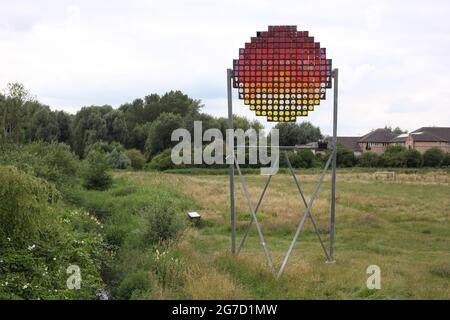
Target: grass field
x,y
402,226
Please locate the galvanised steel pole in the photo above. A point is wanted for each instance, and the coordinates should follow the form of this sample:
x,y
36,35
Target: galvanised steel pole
x,y
333,174
231,168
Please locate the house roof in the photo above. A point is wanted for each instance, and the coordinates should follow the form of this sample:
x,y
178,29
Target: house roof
x,y
441,134
349,142
400,138
378,136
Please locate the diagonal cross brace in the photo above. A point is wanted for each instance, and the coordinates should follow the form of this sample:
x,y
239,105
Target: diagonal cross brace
x,y
306,205
249,226
250,206
307,213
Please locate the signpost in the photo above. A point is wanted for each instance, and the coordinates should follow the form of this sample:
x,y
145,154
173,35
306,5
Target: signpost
x,y
282,74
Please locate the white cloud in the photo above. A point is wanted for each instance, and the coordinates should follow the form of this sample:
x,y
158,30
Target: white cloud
x,y
392,56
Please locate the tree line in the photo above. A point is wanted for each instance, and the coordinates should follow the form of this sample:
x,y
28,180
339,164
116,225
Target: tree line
x,y
143,125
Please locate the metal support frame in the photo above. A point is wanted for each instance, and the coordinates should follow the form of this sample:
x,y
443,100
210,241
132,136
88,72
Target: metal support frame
x,y
231,169
329,255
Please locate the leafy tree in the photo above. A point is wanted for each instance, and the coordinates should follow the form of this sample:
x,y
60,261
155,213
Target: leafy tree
x,y
103,146
13,112
207,120
96,171
239,122
44,125
133,112
396,130
89,126
369,159
160,133
137,159
118,159
293,134
116,126
152,107
433,157
138,136
178,103
64,121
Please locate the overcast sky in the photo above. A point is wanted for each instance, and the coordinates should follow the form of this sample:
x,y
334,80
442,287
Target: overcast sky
x,y
393,56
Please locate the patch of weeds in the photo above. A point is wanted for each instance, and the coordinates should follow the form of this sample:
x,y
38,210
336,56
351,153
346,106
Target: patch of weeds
x,y
441,270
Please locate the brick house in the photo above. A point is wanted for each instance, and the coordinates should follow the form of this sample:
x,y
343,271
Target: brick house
x,y
376,141
425,138
400,140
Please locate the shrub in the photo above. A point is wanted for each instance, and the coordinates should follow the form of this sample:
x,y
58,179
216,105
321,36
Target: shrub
x,y
40,238
412,158
135,284
24,204
96,175
446,161
163,223
393,156
345,157
168,269
433,157
54,162
163,161
103,146
302,159
369,159
137,158
118,159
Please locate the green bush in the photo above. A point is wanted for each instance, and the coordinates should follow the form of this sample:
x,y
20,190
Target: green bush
x,y
393,156
319,159
54,162
345,157
369,159
40,238
302,159
118,159
96,171
24,203
162,161
446,161
412,158
433,157
104,146
163,222
135,284
137,158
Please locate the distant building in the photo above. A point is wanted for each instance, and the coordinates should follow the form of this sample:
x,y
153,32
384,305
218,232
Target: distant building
x,y
376,141
425,138
348,142
400,140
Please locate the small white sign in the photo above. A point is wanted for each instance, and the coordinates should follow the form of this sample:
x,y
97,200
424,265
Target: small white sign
x,y
194,215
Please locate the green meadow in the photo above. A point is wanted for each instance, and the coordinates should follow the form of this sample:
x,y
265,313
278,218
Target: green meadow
x,y
400,226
